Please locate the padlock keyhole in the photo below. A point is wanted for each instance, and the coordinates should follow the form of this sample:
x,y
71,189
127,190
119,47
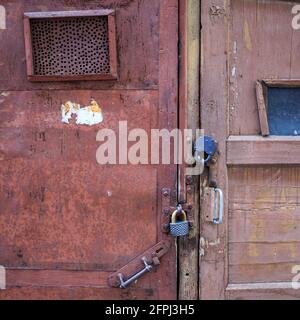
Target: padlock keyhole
x,y
206,155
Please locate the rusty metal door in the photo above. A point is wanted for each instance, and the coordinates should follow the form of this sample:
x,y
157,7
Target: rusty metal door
x,y
255,253
66,222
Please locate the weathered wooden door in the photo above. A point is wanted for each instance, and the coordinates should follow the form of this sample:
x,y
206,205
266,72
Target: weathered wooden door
x,y
66,222
255,253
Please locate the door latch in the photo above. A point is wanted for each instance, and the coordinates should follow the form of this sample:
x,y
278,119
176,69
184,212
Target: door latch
x,y
127,275
125,284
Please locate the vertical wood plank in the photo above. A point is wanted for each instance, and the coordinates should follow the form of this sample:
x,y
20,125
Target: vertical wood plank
x,y
168,119
214,108
189,118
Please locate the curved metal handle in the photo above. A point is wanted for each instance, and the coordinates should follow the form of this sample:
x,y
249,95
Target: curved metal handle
x,y
218,216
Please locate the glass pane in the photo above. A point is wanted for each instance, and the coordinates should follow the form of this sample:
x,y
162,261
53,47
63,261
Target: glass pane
x,y
284,111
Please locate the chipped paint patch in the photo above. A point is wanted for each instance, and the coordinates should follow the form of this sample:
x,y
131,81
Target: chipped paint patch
x,y
109,193
253,250
2,18
247,36
202,246
90,115
235,49
217,11
233,72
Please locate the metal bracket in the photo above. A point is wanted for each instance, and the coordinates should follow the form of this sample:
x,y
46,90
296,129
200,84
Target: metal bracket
x,y
128,274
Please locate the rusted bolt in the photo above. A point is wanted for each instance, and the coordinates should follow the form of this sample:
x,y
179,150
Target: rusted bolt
x,y
166,211
189,180
189,190
165,193
166,228
213,184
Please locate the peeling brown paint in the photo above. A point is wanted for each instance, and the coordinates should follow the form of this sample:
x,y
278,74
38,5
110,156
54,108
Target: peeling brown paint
x,y
247,36
217,11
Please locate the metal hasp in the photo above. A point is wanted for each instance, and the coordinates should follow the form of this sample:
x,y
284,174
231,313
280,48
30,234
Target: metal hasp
x,y
207,145
128,274
127,283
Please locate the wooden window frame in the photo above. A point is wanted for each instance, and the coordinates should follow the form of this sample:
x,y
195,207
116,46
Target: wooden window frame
x,y
70,14
262,99
266,149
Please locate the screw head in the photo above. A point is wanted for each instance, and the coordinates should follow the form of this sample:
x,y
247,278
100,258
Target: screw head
x,y
189,179
189,190
166,211
166,193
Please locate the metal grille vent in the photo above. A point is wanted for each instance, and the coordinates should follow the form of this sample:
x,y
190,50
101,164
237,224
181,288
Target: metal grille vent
x,y
70,46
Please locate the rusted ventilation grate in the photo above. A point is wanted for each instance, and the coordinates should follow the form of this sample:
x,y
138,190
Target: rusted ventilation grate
x,y
70,46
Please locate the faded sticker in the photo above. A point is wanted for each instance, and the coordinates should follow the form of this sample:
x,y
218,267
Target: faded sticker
x,y
90,115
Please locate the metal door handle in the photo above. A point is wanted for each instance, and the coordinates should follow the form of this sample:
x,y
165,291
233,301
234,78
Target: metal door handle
x,y
126,283
218,214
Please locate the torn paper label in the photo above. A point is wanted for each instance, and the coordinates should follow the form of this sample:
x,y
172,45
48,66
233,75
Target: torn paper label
x,y
90,115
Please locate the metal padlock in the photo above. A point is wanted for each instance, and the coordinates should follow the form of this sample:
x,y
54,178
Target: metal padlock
x,y
179,228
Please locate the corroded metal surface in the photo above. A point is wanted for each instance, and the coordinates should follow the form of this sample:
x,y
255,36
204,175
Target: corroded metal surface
x,y
60,210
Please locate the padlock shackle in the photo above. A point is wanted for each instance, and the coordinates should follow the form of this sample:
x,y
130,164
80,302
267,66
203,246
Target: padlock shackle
x,y
174,216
